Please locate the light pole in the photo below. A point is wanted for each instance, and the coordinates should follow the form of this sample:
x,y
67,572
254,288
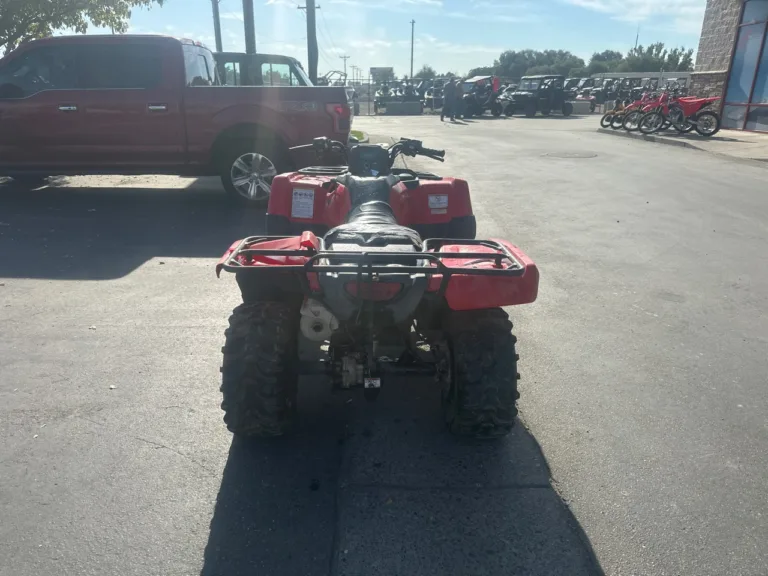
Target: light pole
x,y
413,25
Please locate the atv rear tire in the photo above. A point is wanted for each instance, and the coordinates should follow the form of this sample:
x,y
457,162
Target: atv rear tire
x,y
481,391
567,109
496,110
260,371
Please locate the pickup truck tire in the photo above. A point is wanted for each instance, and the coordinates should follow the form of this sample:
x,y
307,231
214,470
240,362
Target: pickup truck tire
x,y
30,182
247,169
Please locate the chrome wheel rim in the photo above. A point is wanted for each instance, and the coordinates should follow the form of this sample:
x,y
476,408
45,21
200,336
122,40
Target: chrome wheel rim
x,y
707,124
252,176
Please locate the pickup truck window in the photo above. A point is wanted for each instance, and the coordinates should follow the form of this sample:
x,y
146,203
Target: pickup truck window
x,y
122,66
279,75
200,66
231,74
37,70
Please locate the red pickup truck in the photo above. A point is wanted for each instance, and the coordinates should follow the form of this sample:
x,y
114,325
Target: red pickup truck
x,y
154,105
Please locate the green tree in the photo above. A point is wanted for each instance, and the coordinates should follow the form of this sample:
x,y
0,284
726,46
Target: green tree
x,y
426,73
22,20
604,62
482,71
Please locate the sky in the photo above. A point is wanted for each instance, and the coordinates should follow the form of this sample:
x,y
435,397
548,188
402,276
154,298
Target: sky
x,y
450,35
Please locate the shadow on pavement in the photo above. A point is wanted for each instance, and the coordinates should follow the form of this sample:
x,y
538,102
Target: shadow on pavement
x,y
695,136
105,233
382,489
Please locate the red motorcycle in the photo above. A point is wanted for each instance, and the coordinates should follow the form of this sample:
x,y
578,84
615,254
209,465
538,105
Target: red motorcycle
x,y
683,114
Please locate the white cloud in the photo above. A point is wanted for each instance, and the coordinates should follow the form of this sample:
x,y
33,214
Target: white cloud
x,y
683,16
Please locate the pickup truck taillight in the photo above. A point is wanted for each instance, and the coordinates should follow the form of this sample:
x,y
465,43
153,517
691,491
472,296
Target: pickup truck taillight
x,y
341,114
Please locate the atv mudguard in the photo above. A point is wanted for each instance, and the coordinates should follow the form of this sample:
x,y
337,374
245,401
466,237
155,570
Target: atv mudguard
x,y
434,208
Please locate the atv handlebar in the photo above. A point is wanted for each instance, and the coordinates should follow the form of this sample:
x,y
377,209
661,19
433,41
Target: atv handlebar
x,y
406,146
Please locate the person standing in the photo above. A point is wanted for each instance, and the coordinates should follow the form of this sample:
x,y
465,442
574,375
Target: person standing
x,y
449,95
458,106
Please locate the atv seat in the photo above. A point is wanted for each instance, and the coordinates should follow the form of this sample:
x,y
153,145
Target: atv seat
x,y
371,222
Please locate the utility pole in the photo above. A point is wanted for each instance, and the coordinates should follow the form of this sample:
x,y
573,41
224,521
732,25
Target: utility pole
x,y
250,27
217,25
312,52
345,58
413,24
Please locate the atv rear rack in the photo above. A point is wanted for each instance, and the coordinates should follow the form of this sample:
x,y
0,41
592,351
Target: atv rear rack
x,y
366,264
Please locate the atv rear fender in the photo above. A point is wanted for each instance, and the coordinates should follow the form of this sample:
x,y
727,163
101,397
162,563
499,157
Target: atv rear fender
x,y
433,207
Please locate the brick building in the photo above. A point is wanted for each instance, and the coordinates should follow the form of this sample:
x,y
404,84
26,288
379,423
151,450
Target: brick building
x,y
732,61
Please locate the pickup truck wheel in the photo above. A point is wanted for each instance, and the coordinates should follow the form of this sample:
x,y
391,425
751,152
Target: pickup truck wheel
x,y
247,175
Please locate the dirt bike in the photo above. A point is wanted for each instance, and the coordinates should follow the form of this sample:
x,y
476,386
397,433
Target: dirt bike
x,y
374,297
634,112
684,114
607,119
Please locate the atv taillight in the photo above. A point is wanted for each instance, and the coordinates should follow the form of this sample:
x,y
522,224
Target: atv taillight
x,y
376,291
341,114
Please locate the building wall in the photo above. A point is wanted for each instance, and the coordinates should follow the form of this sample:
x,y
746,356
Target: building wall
x,y
718,36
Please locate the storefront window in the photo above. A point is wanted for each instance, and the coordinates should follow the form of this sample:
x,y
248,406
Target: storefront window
x,y
733,117
757,119
755,11
745,61
760,95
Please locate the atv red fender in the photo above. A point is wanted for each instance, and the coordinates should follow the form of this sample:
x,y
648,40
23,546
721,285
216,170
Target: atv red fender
x,y
469,274
435,207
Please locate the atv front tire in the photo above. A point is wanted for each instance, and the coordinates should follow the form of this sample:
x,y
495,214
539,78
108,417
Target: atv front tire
x,y
260,371
480,393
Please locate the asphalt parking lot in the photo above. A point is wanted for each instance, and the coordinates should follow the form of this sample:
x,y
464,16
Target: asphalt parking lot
x,y
643,434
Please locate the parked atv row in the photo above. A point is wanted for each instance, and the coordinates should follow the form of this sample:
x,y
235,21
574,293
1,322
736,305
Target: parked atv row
x,y
534,94
354,270
403,92
654,112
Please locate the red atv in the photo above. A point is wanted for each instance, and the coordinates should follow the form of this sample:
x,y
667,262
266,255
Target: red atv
x,y
311,199
377,299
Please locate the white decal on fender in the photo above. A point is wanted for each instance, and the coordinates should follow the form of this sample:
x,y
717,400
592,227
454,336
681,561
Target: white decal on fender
x,y
438,201
303,204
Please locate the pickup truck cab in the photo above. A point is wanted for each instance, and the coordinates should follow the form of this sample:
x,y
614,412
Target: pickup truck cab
x,y
153,104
